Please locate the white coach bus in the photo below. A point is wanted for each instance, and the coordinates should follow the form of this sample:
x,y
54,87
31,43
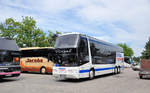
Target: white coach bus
x,y
80,56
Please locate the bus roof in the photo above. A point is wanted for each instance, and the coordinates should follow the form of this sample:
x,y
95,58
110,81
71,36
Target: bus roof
x,y
95,39
7,44
69,33
35,48
107,43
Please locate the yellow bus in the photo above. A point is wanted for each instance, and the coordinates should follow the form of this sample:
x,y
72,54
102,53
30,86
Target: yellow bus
x,y
36,59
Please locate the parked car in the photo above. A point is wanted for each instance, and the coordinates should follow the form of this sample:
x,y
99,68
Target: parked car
x,y
145,69
136,67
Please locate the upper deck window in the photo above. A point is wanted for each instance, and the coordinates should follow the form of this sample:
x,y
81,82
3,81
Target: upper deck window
x,y
67,41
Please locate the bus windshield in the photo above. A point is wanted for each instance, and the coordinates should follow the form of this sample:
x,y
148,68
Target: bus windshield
x,y
8,50
67,60
67,41
72,56
7,56
66,57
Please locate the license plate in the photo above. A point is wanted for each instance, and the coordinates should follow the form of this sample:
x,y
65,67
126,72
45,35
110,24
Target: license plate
x,y
62,77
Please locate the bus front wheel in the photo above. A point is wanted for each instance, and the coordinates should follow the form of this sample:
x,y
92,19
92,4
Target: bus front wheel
x,y
43,70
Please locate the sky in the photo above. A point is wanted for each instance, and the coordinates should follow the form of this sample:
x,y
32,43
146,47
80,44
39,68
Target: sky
x,y
115,21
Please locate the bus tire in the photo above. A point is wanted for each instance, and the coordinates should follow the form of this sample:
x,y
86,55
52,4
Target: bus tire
x,y
115,70
43,70
119,70
91,74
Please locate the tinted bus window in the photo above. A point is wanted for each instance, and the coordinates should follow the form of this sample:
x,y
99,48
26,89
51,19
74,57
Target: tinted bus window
x,y
83,50
67,41
101,54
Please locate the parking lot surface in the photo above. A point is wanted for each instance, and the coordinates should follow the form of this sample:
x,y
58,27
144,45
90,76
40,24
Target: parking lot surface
x,y
126,82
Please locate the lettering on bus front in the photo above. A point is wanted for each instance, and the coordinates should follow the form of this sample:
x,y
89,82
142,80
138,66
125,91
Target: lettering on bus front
x,y
34,60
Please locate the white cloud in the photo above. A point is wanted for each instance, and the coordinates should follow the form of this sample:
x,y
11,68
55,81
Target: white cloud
x,y
105,38
135,13
93,14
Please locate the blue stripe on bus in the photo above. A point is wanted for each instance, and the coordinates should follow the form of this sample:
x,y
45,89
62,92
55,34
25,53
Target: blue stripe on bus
x,y
84,71
101,69
97,69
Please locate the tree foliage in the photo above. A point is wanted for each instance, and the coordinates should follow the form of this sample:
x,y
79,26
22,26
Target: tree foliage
x,y
146,52
136,59
26,33
127,50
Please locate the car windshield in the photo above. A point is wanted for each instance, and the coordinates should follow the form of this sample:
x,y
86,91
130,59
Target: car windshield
x,y
67,41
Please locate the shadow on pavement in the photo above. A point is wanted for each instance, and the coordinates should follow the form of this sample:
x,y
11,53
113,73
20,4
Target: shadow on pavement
x,y
84,79
4,80
36,73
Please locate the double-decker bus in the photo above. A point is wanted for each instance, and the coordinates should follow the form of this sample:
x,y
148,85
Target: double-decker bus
x,y
80,56
36,59
9,58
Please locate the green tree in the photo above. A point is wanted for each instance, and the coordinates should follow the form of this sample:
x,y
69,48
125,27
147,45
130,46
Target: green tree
x,y
26,33
136,59
52,37
146,52
29,35
127,50
9,28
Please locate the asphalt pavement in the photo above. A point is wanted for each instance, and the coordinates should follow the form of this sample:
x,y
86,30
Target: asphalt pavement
x,y
126,82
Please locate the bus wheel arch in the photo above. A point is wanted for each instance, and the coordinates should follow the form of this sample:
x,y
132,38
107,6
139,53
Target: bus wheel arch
x,y
43,70
91,73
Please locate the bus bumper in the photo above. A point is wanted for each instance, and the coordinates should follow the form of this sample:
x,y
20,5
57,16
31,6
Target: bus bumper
x,y
65,76
9,74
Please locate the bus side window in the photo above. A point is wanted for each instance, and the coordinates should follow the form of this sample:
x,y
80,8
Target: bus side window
x,y
96,53
83,51
101,54
50,57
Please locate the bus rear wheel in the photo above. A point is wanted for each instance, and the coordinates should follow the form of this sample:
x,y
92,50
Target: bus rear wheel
x,y
43,70
91,74
115,70
119,70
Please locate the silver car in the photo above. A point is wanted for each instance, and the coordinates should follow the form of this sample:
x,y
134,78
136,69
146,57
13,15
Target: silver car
x,y
136,67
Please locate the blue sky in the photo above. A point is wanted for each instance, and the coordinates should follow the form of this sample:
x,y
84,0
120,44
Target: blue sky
x,y
116,21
